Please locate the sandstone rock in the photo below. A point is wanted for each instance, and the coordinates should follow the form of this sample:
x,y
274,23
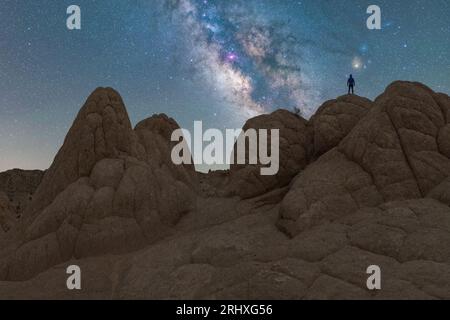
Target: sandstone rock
x,y
441,192
110,189
335,119
20,186
7,219
378,196
300,142
246,180
231,260
393,153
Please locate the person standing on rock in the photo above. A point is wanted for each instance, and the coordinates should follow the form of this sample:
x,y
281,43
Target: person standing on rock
x,y
351,84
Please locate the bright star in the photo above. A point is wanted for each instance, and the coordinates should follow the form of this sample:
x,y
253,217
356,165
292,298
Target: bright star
x,y
357,63
231,57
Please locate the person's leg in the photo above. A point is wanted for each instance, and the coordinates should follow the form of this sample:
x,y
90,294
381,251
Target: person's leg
x,y
348,89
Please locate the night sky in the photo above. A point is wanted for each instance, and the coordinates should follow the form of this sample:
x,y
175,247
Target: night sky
x,y
217,61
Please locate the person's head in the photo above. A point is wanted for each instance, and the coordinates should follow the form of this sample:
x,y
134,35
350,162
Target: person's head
x,y
351,76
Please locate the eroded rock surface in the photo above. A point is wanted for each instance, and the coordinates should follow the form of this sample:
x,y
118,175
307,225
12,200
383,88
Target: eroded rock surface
x,y
377,194
294,139
7,217
20,186
393,153
246,257
110,189
335,119
301,142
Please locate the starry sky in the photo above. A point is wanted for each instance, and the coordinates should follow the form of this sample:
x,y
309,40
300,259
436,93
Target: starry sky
x,y
218,61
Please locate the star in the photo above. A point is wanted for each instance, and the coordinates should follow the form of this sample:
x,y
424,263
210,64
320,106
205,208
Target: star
x,y
231,57
357,63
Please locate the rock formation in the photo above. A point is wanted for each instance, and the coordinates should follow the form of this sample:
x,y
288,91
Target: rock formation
x,y
7,219
396,152
334,120
301,142
246,180
19,187
110,189
362,183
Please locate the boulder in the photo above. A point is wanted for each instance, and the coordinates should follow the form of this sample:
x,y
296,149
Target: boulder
x,y
335,119
246,180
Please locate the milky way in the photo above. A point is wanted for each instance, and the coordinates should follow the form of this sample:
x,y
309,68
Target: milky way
x,y
253,63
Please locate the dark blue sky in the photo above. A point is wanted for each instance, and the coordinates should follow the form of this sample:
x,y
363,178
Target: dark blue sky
x,y
216,61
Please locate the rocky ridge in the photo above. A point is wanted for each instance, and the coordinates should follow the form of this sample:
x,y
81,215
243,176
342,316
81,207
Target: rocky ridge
x,y
361,183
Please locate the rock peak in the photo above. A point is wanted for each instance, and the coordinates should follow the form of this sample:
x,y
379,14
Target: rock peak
x,y
106,177
361,183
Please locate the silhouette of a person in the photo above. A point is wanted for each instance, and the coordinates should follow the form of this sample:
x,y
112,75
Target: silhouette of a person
x,y
351,84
